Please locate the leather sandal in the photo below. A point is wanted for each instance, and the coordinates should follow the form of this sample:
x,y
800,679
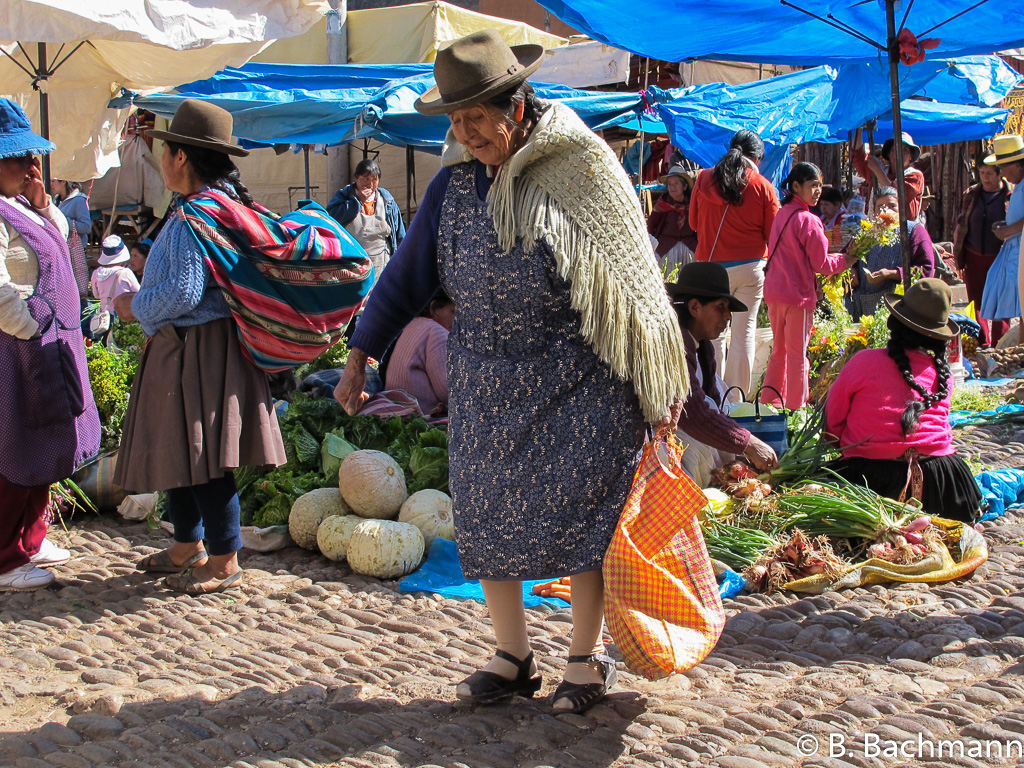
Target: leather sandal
x,y
582,696
188,583
491,688
160,562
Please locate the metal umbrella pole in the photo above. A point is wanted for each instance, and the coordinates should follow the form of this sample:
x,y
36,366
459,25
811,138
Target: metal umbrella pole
x,y
305,159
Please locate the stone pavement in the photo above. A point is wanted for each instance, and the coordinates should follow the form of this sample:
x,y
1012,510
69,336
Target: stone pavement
x,y
310,665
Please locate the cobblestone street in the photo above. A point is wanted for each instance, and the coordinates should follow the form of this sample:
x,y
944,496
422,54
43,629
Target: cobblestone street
x,y
309,665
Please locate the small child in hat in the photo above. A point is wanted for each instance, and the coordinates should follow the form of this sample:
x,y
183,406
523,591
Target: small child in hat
x,y
114,276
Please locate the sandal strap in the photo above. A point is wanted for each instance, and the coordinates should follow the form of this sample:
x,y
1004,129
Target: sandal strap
x,y
522,665
593,658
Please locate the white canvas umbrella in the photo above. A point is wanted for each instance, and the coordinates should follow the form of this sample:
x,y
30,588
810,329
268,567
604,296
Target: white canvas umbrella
x,y
64,60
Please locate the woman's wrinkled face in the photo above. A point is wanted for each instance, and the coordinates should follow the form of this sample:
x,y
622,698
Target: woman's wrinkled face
x,y
137,262
485,132
172,167
14,174
887,203
367,183
676,188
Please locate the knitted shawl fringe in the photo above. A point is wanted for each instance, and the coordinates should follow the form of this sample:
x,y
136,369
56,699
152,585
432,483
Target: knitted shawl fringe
x,y
565,187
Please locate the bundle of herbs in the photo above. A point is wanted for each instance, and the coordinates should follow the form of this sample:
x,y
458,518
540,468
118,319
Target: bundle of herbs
x,y
737,547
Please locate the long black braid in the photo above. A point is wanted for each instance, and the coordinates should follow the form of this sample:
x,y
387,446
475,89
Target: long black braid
x,y
902,338
217,170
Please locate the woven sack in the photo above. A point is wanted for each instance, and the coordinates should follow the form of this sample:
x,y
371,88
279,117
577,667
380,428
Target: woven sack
x,y
661,597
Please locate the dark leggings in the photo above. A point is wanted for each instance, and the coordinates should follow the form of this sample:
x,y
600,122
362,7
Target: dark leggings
x,y
209,511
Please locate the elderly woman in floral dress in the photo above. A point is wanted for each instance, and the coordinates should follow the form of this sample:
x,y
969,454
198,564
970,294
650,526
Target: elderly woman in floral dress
x,y
564,347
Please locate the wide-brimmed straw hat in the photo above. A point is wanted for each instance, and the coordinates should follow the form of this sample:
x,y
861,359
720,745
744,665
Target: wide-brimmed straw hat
x,y
915,151
704,278
199,124
677,170
1006,149
476,67
925,308
114,252
16,135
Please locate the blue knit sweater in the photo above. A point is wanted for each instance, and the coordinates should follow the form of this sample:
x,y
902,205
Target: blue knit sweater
x,y
177,287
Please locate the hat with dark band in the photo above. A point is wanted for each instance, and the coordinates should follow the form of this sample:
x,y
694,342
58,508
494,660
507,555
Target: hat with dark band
x,y
1006,149
706,279
199,124
925,308
474,68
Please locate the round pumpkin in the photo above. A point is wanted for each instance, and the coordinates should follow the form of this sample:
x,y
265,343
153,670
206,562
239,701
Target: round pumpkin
x,y
309,510
372,483
385,549
333,535
431,512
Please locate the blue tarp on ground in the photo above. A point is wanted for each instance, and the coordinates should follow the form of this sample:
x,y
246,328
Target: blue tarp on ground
x,y
767,31
1002,489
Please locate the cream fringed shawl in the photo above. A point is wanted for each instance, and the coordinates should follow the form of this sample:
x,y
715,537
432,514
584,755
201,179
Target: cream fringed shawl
x,y
566,187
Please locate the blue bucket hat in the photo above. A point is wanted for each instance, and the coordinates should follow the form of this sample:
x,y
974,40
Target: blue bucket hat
x,y
16,136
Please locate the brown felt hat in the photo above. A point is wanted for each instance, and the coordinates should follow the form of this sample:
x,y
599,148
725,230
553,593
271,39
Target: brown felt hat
x,y
476,67
199,124
925,308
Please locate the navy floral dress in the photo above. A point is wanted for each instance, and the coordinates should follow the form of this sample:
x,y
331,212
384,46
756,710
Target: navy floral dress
x,y
545,439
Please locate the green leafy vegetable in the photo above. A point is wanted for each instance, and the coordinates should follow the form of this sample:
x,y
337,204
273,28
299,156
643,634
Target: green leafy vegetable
x,y
333,451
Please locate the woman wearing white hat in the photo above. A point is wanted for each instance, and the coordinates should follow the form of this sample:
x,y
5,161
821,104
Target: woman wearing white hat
x,y
113,278
1001,299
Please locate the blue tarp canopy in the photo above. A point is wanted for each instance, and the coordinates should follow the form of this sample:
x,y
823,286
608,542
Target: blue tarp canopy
x,y
334,104
767,31
824,103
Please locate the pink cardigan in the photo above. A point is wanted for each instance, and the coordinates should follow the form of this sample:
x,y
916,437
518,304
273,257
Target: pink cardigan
x,y
867,400
798,251
419,363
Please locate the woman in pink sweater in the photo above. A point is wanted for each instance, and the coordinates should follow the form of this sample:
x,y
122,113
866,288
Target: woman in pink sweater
x,y
798,250
418,362
888,410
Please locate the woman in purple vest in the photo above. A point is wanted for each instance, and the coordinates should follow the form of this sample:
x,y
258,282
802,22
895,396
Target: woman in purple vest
x,y
49,422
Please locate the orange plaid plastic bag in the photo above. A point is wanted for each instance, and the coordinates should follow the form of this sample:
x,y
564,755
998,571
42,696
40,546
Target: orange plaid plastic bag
x,y
661,598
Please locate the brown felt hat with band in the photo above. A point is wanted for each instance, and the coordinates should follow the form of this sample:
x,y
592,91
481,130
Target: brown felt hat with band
x,y
925,308
474,68
199,124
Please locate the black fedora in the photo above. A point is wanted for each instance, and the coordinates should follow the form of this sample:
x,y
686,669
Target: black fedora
x,y
704,278
199,124
476,67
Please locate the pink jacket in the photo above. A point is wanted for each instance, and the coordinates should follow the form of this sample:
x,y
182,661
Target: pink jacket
x,y
798,251
866,403
419,363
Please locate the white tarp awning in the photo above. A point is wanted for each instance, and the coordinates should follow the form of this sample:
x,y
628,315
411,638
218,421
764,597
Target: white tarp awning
x,y
140,45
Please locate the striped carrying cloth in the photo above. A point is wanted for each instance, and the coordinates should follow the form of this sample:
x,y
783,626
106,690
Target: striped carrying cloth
x,y
292,282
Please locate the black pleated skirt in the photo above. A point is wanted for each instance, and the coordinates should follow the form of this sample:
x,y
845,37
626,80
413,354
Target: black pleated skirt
x,y
949,488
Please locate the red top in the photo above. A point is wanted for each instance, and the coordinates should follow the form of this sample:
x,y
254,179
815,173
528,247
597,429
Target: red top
x,y
913,182
867,400
745,228
799,250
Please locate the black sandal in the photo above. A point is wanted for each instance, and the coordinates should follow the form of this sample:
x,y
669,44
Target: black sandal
x,y
582,696
491,688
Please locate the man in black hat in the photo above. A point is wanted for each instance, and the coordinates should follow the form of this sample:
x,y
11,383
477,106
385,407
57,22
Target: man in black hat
x,y
882,171
705,306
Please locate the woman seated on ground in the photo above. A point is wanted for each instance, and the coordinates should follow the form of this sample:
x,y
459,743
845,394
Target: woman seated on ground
x,y
880,270
888,411
418,362
702,300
